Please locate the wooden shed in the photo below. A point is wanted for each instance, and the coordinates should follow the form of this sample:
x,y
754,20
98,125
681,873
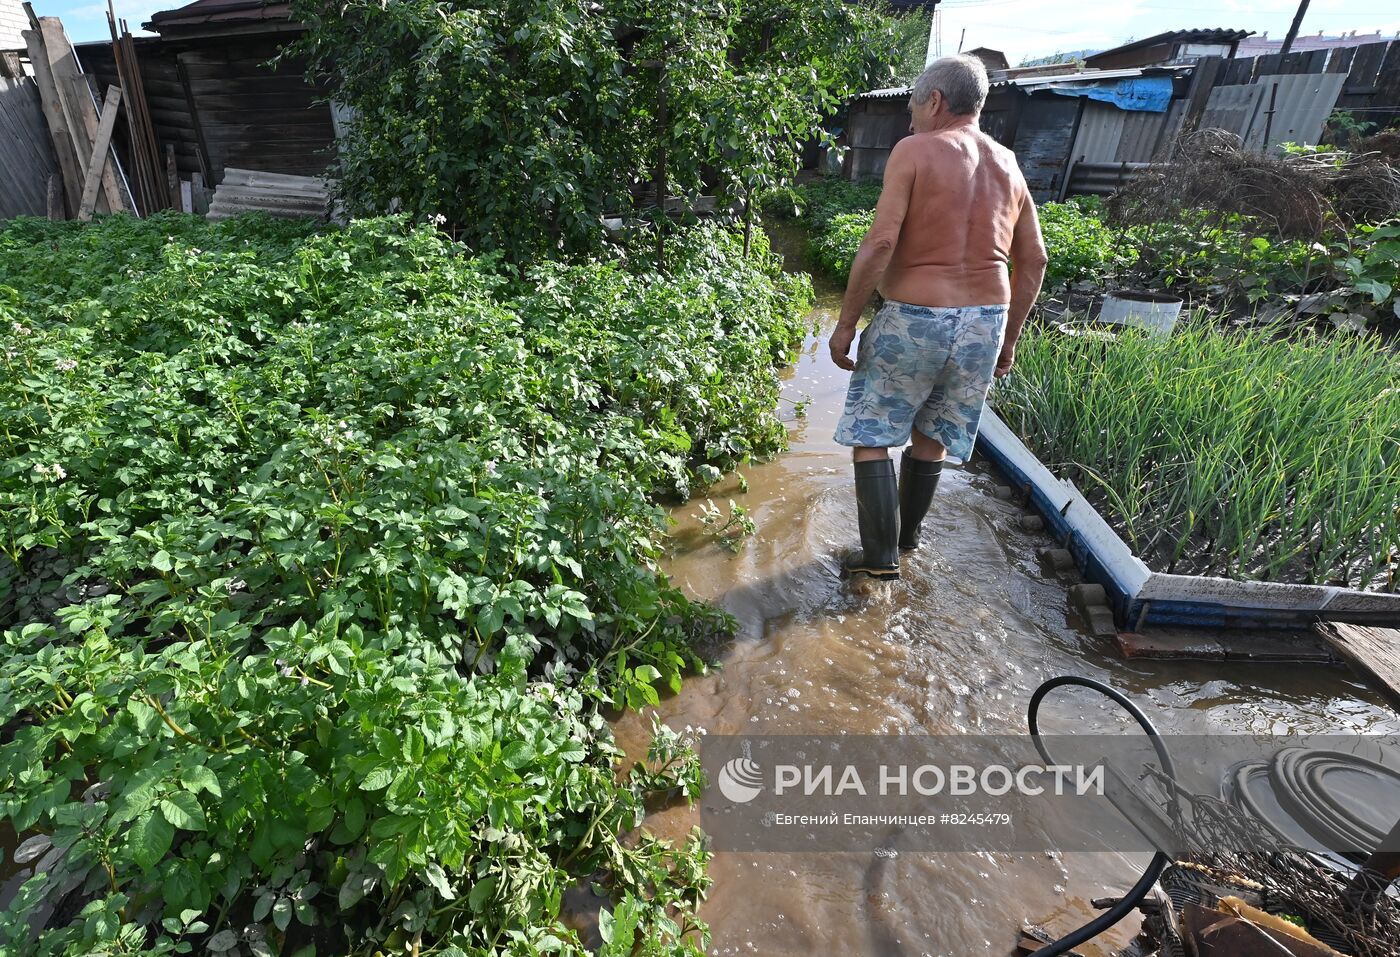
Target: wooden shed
x,y
1173,48
215,95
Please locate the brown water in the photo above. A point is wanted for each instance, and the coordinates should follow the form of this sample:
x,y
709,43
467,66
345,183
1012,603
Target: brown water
x,y
956,646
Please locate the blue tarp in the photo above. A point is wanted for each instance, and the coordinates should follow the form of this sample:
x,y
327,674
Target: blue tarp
x,y
1149,94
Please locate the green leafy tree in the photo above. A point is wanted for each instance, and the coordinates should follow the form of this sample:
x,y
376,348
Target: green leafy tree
x,y
524,122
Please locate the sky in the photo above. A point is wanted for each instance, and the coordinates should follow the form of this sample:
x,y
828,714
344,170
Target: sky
x,y
1019,28
1034,28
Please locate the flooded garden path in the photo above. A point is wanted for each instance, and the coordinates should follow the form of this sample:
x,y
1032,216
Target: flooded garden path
x,y
955,647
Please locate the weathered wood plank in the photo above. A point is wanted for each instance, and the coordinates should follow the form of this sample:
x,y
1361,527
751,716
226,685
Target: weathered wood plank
x,y
1340,60
53,115
76,98
1388,79
1236,72
1374,652
1270,64
106,172
1209,72
26,152
244,71
1365,64
98,163
55,197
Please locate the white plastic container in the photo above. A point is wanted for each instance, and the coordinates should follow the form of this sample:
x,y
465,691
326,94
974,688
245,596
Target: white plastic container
x,y
1154,311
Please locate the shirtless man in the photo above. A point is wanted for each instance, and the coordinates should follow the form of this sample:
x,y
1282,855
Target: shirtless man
x,y
954,213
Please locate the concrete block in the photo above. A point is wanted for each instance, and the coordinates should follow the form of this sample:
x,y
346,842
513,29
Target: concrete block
x,y
1056,559
1100,621
1033,523
1087,596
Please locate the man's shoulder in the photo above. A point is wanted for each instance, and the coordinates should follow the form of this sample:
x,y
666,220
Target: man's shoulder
x,y
952,141
990,146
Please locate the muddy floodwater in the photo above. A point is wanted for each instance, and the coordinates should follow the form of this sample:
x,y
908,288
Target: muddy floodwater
x,y
955,647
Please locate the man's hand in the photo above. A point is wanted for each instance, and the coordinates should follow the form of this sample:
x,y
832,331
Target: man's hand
x,y
1005,361
841,339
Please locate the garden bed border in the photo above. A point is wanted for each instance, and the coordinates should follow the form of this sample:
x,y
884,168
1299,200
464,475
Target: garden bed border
x,y
1138,595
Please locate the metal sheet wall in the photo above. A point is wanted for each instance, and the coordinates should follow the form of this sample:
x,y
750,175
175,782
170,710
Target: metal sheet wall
x,y
1100,131
1301,107
1144,134
1301,103
1231,108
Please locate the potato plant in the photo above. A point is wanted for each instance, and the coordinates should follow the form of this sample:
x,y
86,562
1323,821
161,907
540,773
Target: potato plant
x,y
320,551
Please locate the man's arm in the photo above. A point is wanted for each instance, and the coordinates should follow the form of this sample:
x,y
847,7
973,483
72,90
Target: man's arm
x,y
873,257
1028,262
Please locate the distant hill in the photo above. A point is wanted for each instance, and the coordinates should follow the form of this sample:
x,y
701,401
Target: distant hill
x,y
1070,56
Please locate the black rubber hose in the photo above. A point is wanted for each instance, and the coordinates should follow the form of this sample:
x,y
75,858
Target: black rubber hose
x,y
1159,862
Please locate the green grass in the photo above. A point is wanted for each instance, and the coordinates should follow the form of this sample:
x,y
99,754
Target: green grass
x,y
1240,454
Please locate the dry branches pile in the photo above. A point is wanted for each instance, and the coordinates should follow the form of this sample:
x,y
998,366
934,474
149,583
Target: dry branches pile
x,y
1298,195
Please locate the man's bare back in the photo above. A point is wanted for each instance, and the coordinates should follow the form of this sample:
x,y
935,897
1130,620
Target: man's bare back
x,y
954,214
955,242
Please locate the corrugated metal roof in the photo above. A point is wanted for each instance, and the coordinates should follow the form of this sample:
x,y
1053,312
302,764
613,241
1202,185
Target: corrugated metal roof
x,y
895,92
1032,83
1042,81
888,93
1208,35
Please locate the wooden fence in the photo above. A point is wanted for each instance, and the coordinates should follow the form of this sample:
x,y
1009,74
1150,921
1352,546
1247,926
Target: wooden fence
x,y
26,155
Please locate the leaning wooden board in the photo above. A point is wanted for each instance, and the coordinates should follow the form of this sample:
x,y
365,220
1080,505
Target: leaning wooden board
x,y
1375,652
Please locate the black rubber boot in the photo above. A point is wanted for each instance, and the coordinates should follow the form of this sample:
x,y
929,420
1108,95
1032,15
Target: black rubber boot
x,y
918,480
877,506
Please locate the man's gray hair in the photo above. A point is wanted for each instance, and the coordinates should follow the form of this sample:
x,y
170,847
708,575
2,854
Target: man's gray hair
x,y
961,79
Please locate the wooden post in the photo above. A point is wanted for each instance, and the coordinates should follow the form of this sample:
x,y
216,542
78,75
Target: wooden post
x,y
201,147
748,223
1269,118
1203,80
172,176
98,163
68,163
55,200
199,197
1293,28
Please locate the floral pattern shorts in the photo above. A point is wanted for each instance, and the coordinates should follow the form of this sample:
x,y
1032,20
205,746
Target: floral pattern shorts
x,y
926,368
